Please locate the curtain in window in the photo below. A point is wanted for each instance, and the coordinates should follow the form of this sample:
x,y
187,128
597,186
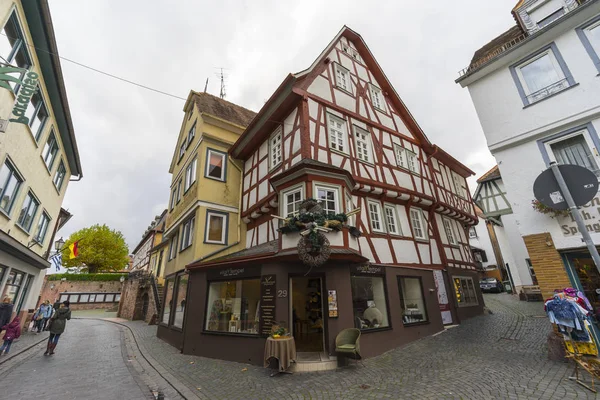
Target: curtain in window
x,y
575,151
540,74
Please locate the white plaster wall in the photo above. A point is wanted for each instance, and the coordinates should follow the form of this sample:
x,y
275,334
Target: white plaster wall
x,y
500,108
508,255
518,249
483,242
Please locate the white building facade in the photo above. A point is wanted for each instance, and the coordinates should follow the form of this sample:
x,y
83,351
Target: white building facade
x,y
536,89
38,153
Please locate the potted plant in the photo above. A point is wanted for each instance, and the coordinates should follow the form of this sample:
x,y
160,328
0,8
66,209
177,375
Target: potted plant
x,y
544,209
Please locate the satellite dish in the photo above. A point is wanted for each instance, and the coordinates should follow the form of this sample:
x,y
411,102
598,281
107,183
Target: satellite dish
x,y
581,182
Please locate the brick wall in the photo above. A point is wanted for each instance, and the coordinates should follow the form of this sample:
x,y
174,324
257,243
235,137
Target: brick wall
x,y
137,290
547,263
51,290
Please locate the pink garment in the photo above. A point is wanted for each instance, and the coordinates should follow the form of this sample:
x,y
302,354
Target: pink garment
x,y
13,329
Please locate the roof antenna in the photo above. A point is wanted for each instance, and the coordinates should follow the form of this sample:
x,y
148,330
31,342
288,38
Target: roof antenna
x,y
222,76
206,85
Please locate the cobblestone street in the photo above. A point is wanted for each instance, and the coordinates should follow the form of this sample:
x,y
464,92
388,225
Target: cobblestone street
x,y
502,355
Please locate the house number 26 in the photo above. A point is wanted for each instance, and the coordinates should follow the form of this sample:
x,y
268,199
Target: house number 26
x,y
282,293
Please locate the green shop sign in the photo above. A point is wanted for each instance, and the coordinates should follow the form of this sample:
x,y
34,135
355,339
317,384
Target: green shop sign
x,y
27,80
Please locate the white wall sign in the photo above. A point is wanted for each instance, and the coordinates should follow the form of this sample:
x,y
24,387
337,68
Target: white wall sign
x,y
591,216
438,277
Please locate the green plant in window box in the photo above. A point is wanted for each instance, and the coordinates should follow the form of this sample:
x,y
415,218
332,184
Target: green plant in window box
x,y
544,209
278,331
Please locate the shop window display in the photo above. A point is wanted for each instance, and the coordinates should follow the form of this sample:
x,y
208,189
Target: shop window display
x,y
369,302
168,305
412,300
179,305
233,306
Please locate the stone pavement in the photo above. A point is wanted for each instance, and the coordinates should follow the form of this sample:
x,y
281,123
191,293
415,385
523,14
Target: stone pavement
x,y
498,356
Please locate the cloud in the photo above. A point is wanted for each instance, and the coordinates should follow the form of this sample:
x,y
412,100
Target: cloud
x,y
127,135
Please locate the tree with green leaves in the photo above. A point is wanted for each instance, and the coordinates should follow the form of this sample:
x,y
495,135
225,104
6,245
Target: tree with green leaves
x,y
100,249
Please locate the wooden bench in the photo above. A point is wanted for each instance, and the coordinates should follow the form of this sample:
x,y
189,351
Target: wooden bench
x,y
532,293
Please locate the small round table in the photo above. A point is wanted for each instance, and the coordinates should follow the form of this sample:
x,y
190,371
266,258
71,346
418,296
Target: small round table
x,y
284,350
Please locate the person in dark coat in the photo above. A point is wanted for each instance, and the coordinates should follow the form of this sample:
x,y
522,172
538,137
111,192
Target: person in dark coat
x,y
6,309
58,324
13,331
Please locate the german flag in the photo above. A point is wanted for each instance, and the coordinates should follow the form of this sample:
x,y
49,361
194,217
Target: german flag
x,y
74,247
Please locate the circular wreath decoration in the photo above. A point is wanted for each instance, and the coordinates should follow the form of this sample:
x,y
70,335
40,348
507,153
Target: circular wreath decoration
x,y
314,250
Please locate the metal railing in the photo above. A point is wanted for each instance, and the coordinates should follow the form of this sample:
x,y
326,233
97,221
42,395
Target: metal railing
x,y
548,90
489,56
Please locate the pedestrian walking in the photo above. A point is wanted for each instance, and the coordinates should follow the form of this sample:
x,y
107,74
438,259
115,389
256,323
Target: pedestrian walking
x,y
58,322
13,331
42,315
6,309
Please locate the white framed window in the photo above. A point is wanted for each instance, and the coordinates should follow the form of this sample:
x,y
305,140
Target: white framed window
x,y
364,151
329,197
292,198
590,37
173,197
337,133
190,174
216,165
179,191
191,134
275,148
342,77
457,181
541,75
449,231
50,150
391,219
377,97
472,233
187,234
375,216
417,221
37,114
406,159
574,148
59,175
173,247
10,183
216,227
182,149
13,47
42,228
349,207
28,211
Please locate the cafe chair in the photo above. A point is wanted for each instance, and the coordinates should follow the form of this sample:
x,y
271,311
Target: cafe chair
x,y
347,344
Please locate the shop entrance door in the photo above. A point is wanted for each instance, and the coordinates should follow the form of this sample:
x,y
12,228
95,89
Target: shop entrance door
x,y
585,277
306,304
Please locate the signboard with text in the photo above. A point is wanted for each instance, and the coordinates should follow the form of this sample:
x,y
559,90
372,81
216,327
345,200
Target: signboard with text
x,y
27,82
591,216
267,303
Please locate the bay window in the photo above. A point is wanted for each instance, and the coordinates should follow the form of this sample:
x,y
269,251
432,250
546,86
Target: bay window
x,y
216,165
233,306
292,199
329,197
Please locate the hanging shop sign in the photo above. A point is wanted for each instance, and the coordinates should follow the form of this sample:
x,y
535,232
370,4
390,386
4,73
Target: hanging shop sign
x,y
267,303
27,81
333,304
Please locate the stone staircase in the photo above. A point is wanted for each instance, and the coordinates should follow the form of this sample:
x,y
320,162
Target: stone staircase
x,y
160,289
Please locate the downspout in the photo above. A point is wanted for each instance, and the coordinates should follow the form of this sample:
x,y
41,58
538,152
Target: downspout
x,y
434,206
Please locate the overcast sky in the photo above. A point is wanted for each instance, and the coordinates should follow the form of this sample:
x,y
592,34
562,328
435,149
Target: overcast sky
x,y
126,135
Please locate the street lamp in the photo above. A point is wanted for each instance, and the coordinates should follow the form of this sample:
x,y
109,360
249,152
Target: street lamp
x,y
58,245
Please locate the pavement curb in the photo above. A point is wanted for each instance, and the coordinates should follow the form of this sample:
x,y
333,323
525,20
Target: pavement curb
x,y
13,355
181,388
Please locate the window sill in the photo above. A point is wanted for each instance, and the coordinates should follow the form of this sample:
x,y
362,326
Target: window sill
x,y
422,240
344,90
407,170
185,248
57,189
410,324
340,152
22,228
369,163
275,167
232,334
387,328
550,96
215,179
5,213
379,109
217,243
45,165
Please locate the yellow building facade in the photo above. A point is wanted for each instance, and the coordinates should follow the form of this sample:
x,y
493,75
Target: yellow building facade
x,y
38,155
203,218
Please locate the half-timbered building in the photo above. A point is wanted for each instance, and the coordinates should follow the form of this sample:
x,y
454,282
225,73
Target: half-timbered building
x,y
338,132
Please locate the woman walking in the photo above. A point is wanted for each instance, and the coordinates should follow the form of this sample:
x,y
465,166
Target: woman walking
x,y
57,326
13,331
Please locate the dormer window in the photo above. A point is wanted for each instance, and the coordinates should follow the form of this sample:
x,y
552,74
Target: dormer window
x,y
550,18
342,77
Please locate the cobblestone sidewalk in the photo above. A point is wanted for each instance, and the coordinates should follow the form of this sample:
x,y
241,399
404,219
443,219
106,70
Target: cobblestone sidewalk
x,y
498,356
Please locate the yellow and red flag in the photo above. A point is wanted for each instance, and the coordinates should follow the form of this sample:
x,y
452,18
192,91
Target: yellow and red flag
x,y
74,247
